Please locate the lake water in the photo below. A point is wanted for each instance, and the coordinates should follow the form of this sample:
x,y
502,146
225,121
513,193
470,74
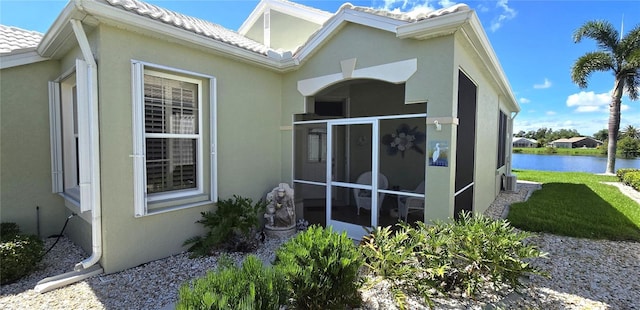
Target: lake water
x,y
592,164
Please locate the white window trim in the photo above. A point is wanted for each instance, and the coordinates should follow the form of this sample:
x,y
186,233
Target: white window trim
x,y
83,189
141,199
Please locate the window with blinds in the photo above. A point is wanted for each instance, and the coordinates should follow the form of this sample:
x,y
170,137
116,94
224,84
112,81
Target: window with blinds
x,y
171,133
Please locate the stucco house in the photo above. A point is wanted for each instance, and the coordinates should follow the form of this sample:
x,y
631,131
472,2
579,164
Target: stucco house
x,y
524,142
136,119
576,142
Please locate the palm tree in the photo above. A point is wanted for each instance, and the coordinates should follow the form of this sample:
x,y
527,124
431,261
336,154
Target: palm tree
x,y
631,132
619,55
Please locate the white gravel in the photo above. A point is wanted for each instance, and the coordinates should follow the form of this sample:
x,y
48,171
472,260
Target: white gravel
x,y
586,274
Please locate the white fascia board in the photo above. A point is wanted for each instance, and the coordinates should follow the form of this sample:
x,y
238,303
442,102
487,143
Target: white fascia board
x,y
20,58
344,16
314,16
474,32
60,29
308,14
253,17
433,27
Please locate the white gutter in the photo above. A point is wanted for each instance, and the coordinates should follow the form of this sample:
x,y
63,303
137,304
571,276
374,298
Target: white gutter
x,y
88,267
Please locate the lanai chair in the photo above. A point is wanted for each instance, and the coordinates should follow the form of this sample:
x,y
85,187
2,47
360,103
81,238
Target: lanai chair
x,y
363,196
408,204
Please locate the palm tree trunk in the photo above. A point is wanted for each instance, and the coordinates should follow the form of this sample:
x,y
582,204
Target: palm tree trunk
x,y
614,124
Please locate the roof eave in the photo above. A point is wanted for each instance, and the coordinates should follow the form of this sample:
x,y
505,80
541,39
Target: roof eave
x,y
433,27
61,32
20,57
475,33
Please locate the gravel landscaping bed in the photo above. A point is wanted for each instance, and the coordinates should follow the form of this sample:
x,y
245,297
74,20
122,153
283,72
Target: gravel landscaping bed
x,y
585,274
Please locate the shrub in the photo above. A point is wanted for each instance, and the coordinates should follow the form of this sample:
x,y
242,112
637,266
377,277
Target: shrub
x,y
8,230
629,176
632,178
550,150
252,286
232,227
392,256
449,257
321,269
19,255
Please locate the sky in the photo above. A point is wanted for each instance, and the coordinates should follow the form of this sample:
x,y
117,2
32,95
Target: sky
x,y
531,38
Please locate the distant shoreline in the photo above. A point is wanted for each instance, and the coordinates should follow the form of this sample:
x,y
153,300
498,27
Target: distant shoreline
x,y
564,151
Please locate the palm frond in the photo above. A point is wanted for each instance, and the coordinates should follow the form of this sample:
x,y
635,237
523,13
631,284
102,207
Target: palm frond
x,y
589,63
632,83
630,43
601,31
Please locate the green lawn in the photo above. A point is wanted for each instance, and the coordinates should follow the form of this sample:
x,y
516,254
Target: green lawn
x,y
576,204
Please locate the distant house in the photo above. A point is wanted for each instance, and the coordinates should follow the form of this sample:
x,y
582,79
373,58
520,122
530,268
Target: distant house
x,y
576,142
524,142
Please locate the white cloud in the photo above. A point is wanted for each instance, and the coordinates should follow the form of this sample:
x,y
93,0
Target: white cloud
x,y
414,8
589,101
587,108
506,14
524,100
550,113
446,3
545,84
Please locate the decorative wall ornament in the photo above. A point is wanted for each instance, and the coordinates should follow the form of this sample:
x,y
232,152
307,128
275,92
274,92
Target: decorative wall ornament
x,y
438,155
405,138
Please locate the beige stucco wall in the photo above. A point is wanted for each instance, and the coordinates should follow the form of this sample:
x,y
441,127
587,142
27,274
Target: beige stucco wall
x,y
288,32
25,160
248,143
489,100
433,82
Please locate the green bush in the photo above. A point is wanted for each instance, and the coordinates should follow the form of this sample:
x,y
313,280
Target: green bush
x,y
629,176
391,255
321,269
8,230
449,257
632,179
621,172
252,286
19,256
232,227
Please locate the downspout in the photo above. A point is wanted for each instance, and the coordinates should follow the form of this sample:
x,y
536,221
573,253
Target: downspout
x,y
88,267
96,211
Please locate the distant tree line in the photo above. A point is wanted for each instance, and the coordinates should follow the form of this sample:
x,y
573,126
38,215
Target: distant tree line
x,y
628,139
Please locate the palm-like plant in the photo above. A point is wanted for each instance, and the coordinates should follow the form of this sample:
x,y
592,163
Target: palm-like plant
x,y
621,56
631,132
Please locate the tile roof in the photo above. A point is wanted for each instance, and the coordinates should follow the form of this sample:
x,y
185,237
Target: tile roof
x,y
409,17
192,24
15,39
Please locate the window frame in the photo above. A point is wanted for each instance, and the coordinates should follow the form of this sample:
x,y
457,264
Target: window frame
x,y
70,137
182,198
503,124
